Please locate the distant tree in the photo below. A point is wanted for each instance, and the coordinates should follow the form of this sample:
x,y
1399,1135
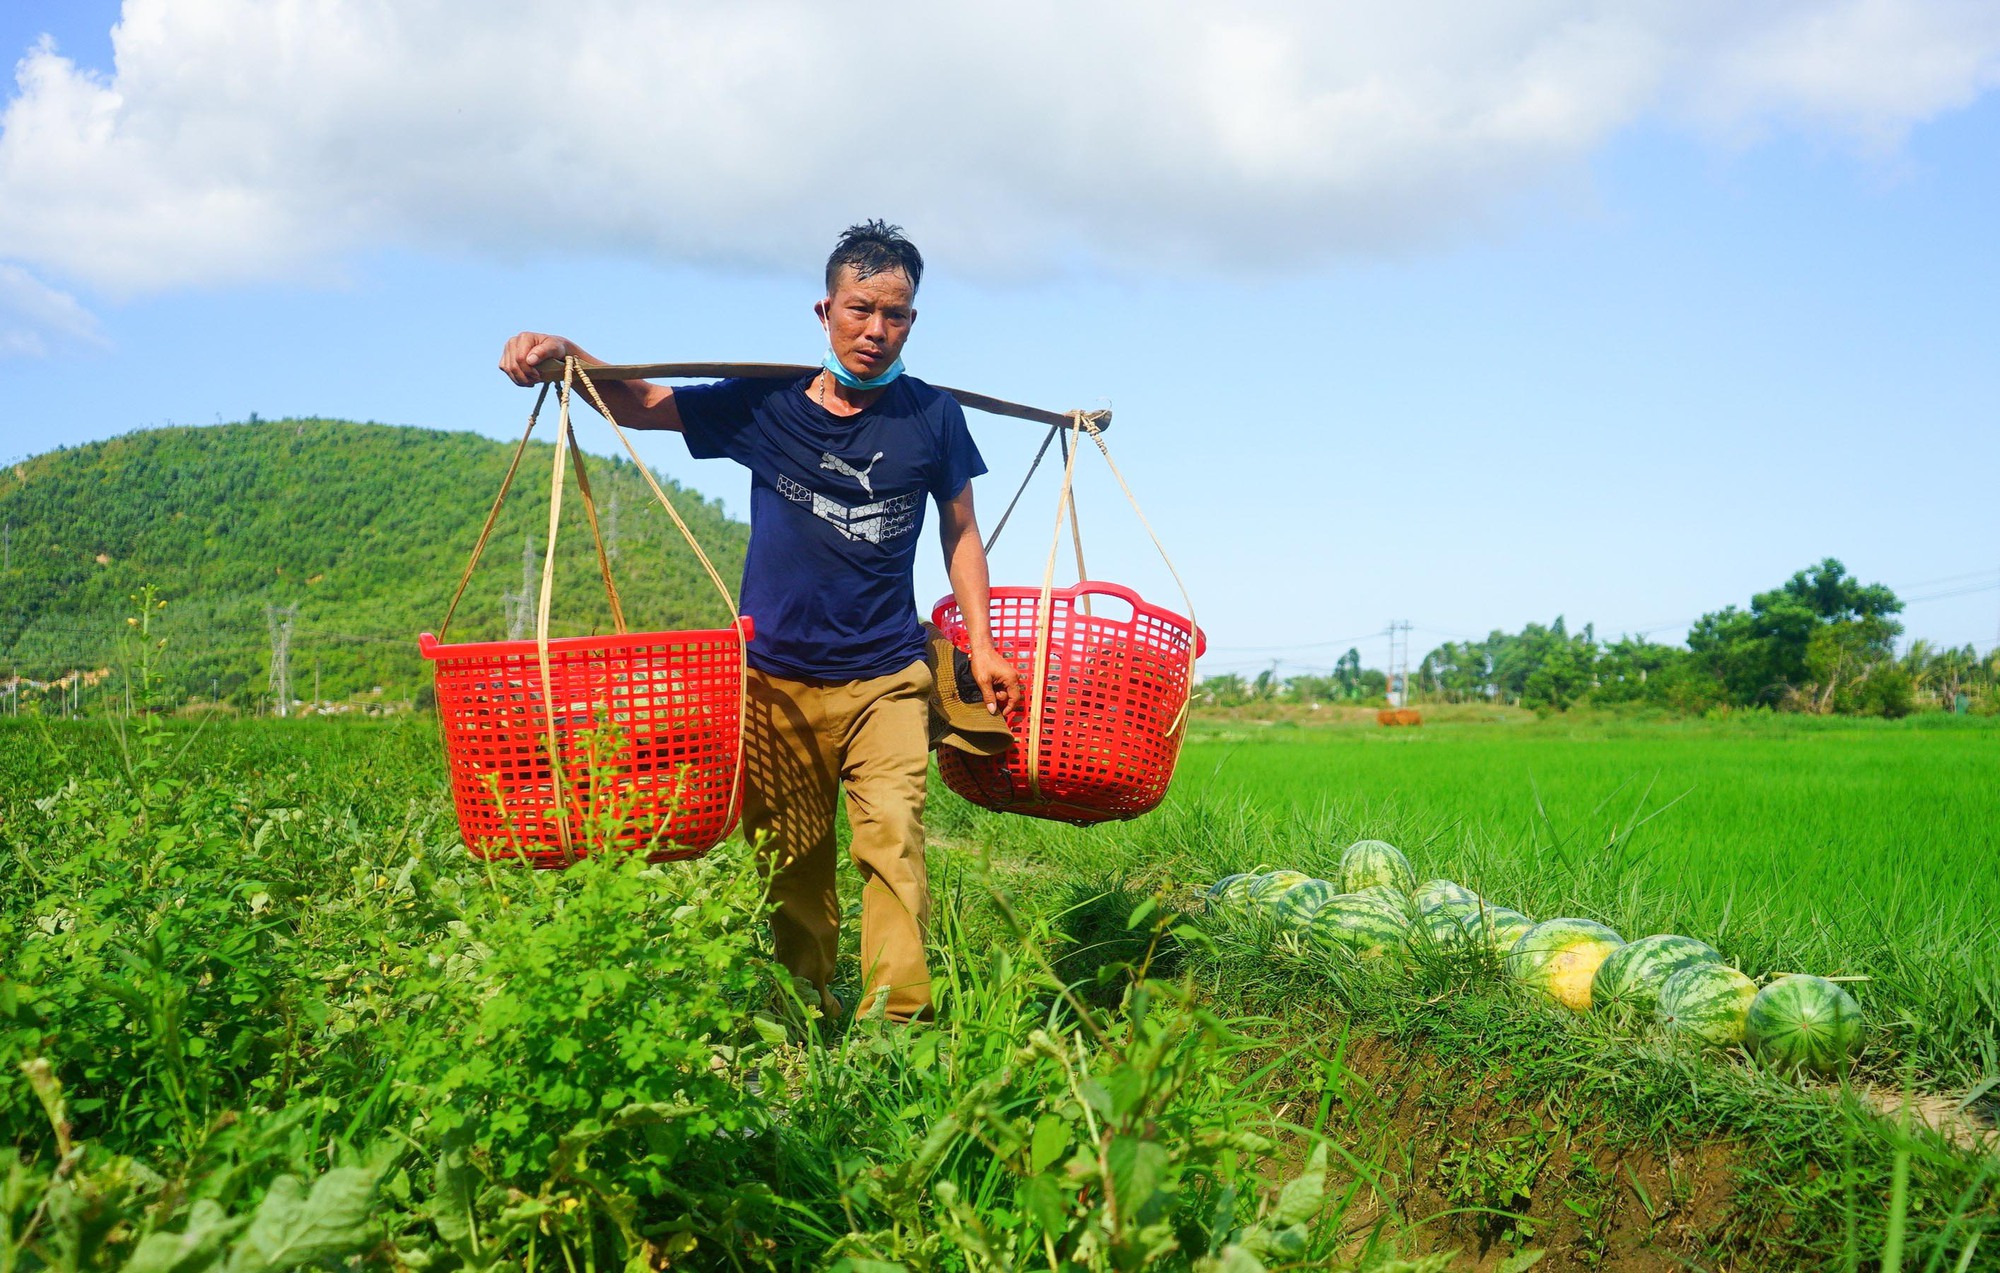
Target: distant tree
x,y
1761,656
1313,689
1631,670
1228,690
1457,672
1266,686
1347,674
1561,668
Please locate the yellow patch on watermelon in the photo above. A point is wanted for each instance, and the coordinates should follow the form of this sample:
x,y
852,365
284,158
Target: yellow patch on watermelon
x,y
1568,974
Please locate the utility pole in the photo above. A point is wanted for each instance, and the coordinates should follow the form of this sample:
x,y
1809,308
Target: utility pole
x,y
611,540
7,547
280,620
315,684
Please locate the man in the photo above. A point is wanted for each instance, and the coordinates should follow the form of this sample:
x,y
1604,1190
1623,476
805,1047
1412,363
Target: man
x,y
840,463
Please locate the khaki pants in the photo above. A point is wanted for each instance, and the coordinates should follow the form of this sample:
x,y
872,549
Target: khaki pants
x,y
803,741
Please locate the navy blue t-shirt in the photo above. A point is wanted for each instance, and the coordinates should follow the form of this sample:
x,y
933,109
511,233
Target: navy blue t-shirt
x,y
836,509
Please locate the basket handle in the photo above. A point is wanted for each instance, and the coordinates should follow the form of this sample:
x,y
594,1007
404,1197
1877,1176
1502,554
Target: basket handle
x,y
1138,603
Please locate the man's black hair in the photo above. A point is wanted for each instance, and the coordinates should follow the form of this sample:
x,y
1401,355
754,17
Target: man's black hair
x,y
871,248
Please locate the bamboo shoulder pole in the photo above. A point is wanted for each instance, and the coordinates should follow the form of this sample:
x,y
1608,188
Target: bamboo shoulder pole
x,y
786,371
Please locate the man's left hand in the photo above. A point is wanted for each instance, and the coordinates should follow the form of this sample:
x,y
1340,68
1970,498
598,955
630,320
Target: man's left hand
x,y
998,679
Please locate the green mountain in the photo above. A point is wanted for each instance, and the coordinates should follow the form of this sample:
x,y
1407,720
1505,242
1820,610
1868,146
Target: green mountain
x,y
364,527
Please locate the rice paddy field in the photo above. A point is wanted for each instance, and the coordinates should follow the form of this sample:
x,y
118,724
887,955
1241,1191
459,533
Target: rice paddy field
x,y
1860,848
261,1011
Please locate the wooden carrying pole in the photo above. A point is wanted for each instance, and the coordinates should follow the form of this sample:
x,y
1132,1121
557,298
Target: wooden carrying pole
x,y
787,371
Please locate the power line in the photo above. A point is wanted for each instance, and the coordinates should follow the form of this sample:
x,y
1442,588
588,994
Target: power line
x,y
1310,645
1953,592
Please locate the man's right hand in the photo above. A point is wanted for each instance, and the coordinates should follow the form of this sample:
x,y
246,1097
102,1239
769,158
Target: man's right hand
x,y
523,356
636,404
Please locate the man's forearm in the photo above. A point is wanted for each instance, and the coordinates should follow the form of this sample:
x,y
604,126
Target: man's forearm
x,y
971,588
635,404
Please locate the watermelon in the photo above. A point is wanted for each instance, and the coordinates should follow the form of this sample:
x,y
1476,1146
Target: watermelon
x,y
1560,956
1365,923
1296,904
1434,895
1630,976
1269,885
1387,896
1804,1023
1495,926
1230,888
1375,864
1705,1001
1440,927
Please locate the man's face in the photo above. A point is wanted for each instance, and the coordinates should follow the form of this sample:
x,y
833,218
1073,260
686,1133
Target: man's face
x,y
868,319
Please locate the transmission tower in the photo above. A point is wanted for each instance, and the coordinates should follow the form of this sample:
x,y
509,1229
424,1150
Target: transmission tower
x,y
1399,663
519,607
280,618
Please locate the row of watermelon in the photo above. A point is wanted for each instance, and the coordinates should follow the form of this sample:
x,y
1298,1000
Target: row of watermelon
x,y
1796,1022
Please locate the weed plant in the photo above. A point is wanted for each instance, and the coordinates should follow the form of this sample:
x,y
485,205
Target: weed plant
x,y
260,1011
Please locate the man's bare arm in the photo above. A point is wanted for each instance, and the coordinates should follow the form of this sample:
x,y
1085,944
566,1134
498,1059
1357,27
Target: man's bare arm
x,y
637,404
965,563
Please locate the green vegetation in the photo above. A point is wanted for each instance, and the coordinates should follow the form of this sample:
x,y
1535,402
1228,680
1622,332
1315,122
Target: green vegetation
x,y
1791,844
1821,643
364,527
260,1011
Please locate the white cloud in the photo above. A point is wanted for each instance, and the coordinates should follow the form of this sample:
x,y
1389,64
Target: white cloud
x,y
32,312
245,139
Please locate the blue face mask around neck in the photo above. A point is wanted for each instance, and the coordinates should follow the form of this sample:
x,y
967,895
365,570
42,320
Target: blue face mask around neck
x,y
844,376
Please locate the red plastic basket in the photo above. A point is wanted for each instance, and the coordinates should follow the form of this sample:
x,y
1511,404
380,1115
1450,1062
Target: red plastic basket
x,y
1115,689
647,724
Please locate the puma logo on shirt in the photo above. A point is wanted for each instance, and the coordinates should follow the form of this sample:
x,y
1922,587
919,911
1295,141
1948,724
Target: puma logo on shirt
x,y
882,522
828,460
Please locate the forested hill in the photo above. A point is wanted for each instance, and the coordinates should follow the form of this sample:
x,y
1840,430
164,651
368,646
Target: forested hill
x,y
364,527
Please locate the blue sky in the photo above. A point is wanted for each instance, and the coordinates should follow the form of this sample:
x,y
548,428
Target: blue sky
x,y
1638,383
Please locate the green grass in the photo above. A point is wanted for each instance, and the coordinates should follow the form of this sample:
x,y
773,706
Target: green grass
x,y
1851,848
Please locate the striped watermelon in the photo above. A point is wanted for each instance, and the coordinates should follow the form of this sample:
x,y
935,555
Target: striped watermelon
x,y
1230,888
1275,882
1710,1002
1387,896
1362,922
1434,895
1630,976
1496,927
1804,1023
1375,864
1440,927
1560,956
1296,904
